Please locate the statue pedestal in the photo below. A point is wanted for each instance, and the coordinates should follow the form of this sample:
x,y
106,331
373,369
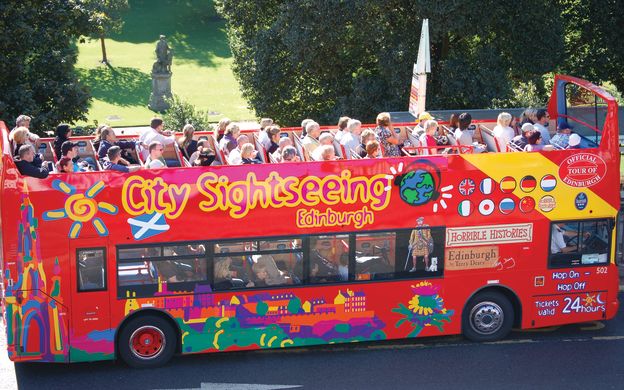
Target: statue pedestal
x,y
161,90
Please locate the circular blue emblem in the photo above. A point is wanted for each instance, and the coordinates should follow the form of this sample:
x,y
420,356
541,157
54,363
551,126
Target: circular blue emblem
x,y
580,202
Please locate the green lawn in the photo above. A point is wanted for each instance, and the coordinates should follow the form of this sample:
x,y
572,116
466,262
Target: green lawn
x,y
201,67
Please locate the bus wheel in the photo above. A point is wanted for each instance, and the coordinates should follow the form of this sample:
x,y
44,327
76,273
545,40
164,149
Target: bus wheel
x,y
488,316
147,341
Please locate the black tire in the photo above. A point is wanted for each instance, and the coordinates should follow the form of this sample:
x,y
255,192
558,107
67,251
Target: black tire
x,y
147,341
488,316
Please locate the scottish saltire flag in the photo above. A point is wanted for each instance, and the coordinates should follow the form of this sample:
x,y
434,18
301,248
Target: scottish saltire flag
x,y
507,205
486,186
548,183
465,208
148,225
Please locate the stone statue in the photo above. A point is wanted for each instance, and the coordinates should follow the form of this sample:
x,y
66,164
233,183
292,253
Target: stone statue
x,y
161,76
164,56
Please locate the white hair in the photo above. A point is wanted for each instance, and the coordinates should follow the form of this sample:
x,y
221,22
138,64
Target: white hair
x,y
311,125
504,119
430,123
352,124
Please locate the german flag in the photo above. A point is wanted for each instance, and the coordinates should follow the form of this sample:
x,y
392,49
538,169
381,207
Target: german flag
x,y
508,184
528,183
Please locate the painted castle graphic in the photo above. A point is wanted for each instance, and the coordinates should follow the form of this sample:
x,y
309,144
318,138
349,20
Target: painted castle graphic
x,y
35,329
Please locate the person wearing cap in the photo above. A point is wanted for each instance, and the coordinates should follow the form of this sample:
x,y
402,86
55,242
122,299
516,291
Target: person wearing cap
x,y
325,139
70,149
574,142
24,121
562,138
420,127
541,125
519,142
26,164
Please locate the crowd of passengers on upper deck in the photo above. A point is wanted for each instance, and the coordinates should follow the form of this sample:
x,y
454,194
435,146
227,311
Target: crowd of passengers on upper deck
x,y
228,145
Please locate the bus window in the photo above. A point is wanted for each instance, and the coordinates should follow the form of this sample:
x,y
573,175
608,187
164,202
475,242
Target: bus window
x,y
184,250
375,255
140,253
231,272
91,269
329,258
579,243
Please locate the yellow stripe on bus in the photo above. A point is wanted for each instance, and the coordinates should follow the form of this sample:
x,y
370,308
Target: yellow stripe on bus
x,y
518,165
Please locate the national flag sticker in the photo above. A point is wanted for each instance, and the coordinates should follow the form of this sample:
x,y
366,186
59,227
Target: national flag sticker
x,y
486,207
548,183
527,204
147,225
486,187
467,187
465,208
508,184
528,183
506,206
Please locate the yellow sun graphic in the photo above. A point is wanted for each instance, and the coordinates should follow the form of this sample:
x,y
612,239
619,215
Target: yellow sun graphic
x,y
414,305
589,300
81,208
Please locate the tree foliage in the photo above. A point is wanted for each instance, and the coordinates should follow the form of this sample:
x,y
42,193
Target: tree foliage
x,y
322,59
181,112
37,60
104,18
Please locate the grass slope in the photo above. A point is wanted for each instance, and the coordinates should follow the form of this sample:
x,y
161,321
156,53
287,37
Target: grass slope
x,y
201,67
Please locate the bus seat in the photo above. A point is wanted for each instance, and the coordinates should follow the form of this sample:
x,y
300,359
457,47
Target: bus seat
x,y
87,153
339,149
171,156
46,150
300,149
488,139
262,153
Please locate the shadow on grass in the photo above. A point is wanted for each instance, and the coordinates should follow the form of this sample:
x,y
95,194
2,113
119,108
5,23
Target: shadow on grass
x,y
120,86
193,28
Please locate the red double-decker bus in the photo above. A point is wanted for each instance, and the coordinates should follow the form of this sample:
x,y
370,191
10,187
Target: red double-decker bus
x,y
140,266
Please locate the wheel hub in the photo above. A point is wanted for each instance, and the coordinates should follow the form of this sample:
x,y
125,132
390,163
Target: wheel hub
x,y
147,342
486,318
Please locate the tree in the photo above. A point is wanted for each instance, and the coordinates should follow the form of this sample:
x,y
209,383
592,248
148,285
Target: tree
x,y
323,59
594,40
104,18
37,62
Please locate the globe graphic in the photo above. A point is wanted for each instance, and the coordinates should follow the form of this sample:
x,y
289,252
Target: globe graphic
x,y
417,187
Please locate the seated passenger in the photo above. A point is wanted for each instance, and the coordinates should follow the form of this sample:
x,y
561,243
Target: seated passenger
x,y
219,131
274,138
462,133
343,267
248,154
155,158
562,138
372,149
283,142
70,149
367,136
325,139
19,137
26,164
263,136
260,275
201,144
224,278
541,125
326,153
343,122
24,121
289,154
114,162
234,157
310,142
187,144
427,138
351,136
535,143
574,142
386,136
157,132
520,141
63,132
205,158
108,138
321,268
420,127
229,141
503,132
304,124
65,165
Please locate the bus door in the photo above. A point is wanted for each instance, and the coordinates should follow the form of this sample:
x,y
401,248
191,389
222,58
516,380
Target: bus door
x,y
90,303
